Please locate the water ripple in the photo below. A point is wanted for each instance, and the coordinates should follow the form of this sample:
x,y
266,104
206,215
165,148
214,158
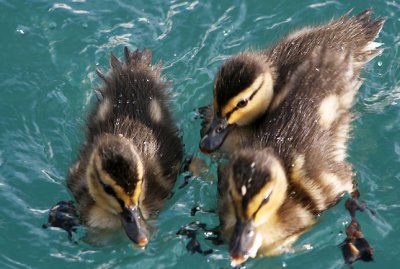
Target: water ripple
x,y
67,7
50,52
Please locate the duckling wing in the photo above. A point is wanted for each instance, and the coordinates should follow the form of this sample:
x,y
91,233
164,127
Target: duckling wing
x,y
310,129
355,33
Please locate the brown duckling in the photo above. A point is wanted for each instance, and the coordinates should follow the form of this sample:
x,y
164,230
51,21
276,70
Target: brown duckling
x,y
252,84
274,188
132,153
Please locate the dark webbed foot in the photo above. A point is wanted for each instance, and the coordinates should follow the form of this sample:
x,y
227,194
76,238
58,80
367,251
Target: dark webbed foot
x,y
192,229
63,215
355,247
193,167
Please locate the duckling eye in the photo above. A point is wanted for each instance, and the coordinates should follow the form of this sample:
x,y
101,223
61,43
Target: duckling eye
x,y
108,189
242,103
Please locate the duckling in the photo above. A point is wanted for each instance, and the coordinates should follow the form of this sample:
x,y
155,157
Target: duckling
x,y
252,84
273,189
130,160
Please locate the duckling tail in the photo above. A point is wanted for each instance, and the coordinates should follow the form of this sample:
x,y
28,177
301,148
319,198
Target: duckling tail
x,y
366,30
141,58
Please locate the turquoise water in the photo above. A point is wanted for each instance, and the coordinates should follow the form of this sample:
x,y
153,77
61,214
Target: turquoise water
x,y
49,52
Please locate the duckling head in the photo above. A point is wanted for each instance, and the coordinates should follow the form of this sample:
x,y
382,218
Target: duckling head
x,y
243,89
115,179
257,188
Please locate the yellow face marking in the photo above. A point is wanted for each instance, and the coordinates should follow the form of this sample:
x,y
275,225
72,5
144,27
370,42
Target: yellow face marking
x,y
140,171
96,191
328,110
245,94
256,201
103,199
276,189
236,197
258,104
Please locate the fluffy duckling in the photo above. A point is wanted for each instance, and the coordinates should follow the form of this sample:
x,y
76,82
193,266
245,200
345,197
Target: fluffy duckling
x,y
273,189
252,84
130,160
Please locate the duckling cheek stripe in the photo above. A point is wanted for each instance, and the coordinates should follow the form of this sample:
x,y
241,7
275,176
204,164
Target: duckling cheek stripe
x,y
109,190
228,114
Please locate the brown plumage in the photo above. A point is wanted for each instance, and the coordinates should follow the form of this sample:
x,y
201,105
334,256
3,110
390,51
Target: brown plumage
x,y
131,157
293,167
252,84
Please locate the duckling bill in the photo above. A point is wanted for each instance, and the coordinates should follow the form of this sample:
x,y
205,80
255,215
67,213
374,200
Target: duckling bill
x,y
252,84
131,157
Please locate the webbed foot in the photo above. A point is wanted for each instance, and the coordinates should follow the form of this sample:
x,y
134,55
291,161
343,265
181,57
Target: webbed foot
x,y
192,229
63,215
355,246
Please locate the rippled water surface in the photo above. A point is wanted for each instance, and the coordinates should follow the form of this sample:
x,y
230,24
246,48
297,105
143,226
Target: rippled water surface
x,y
49,52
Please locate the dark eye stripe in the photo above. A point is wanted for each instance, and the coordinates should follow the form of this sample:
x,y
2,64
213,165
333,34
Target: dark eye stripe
x,y
237,107
109,190
265,201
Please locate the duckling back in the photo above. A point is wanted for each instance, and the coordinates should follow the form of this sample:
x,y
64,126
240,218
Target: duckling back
x,y
134,92
252,84
131,89
131,123
294,168
310,131
356,33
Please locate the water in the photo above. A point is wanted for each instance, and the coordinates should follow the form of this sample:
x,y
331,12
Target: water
x,y
49,52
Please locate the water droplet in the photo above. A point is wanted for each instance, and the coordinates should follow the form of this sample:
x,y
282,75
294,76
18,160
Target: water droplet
x,y
21,31
308,247
380,63
284,264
